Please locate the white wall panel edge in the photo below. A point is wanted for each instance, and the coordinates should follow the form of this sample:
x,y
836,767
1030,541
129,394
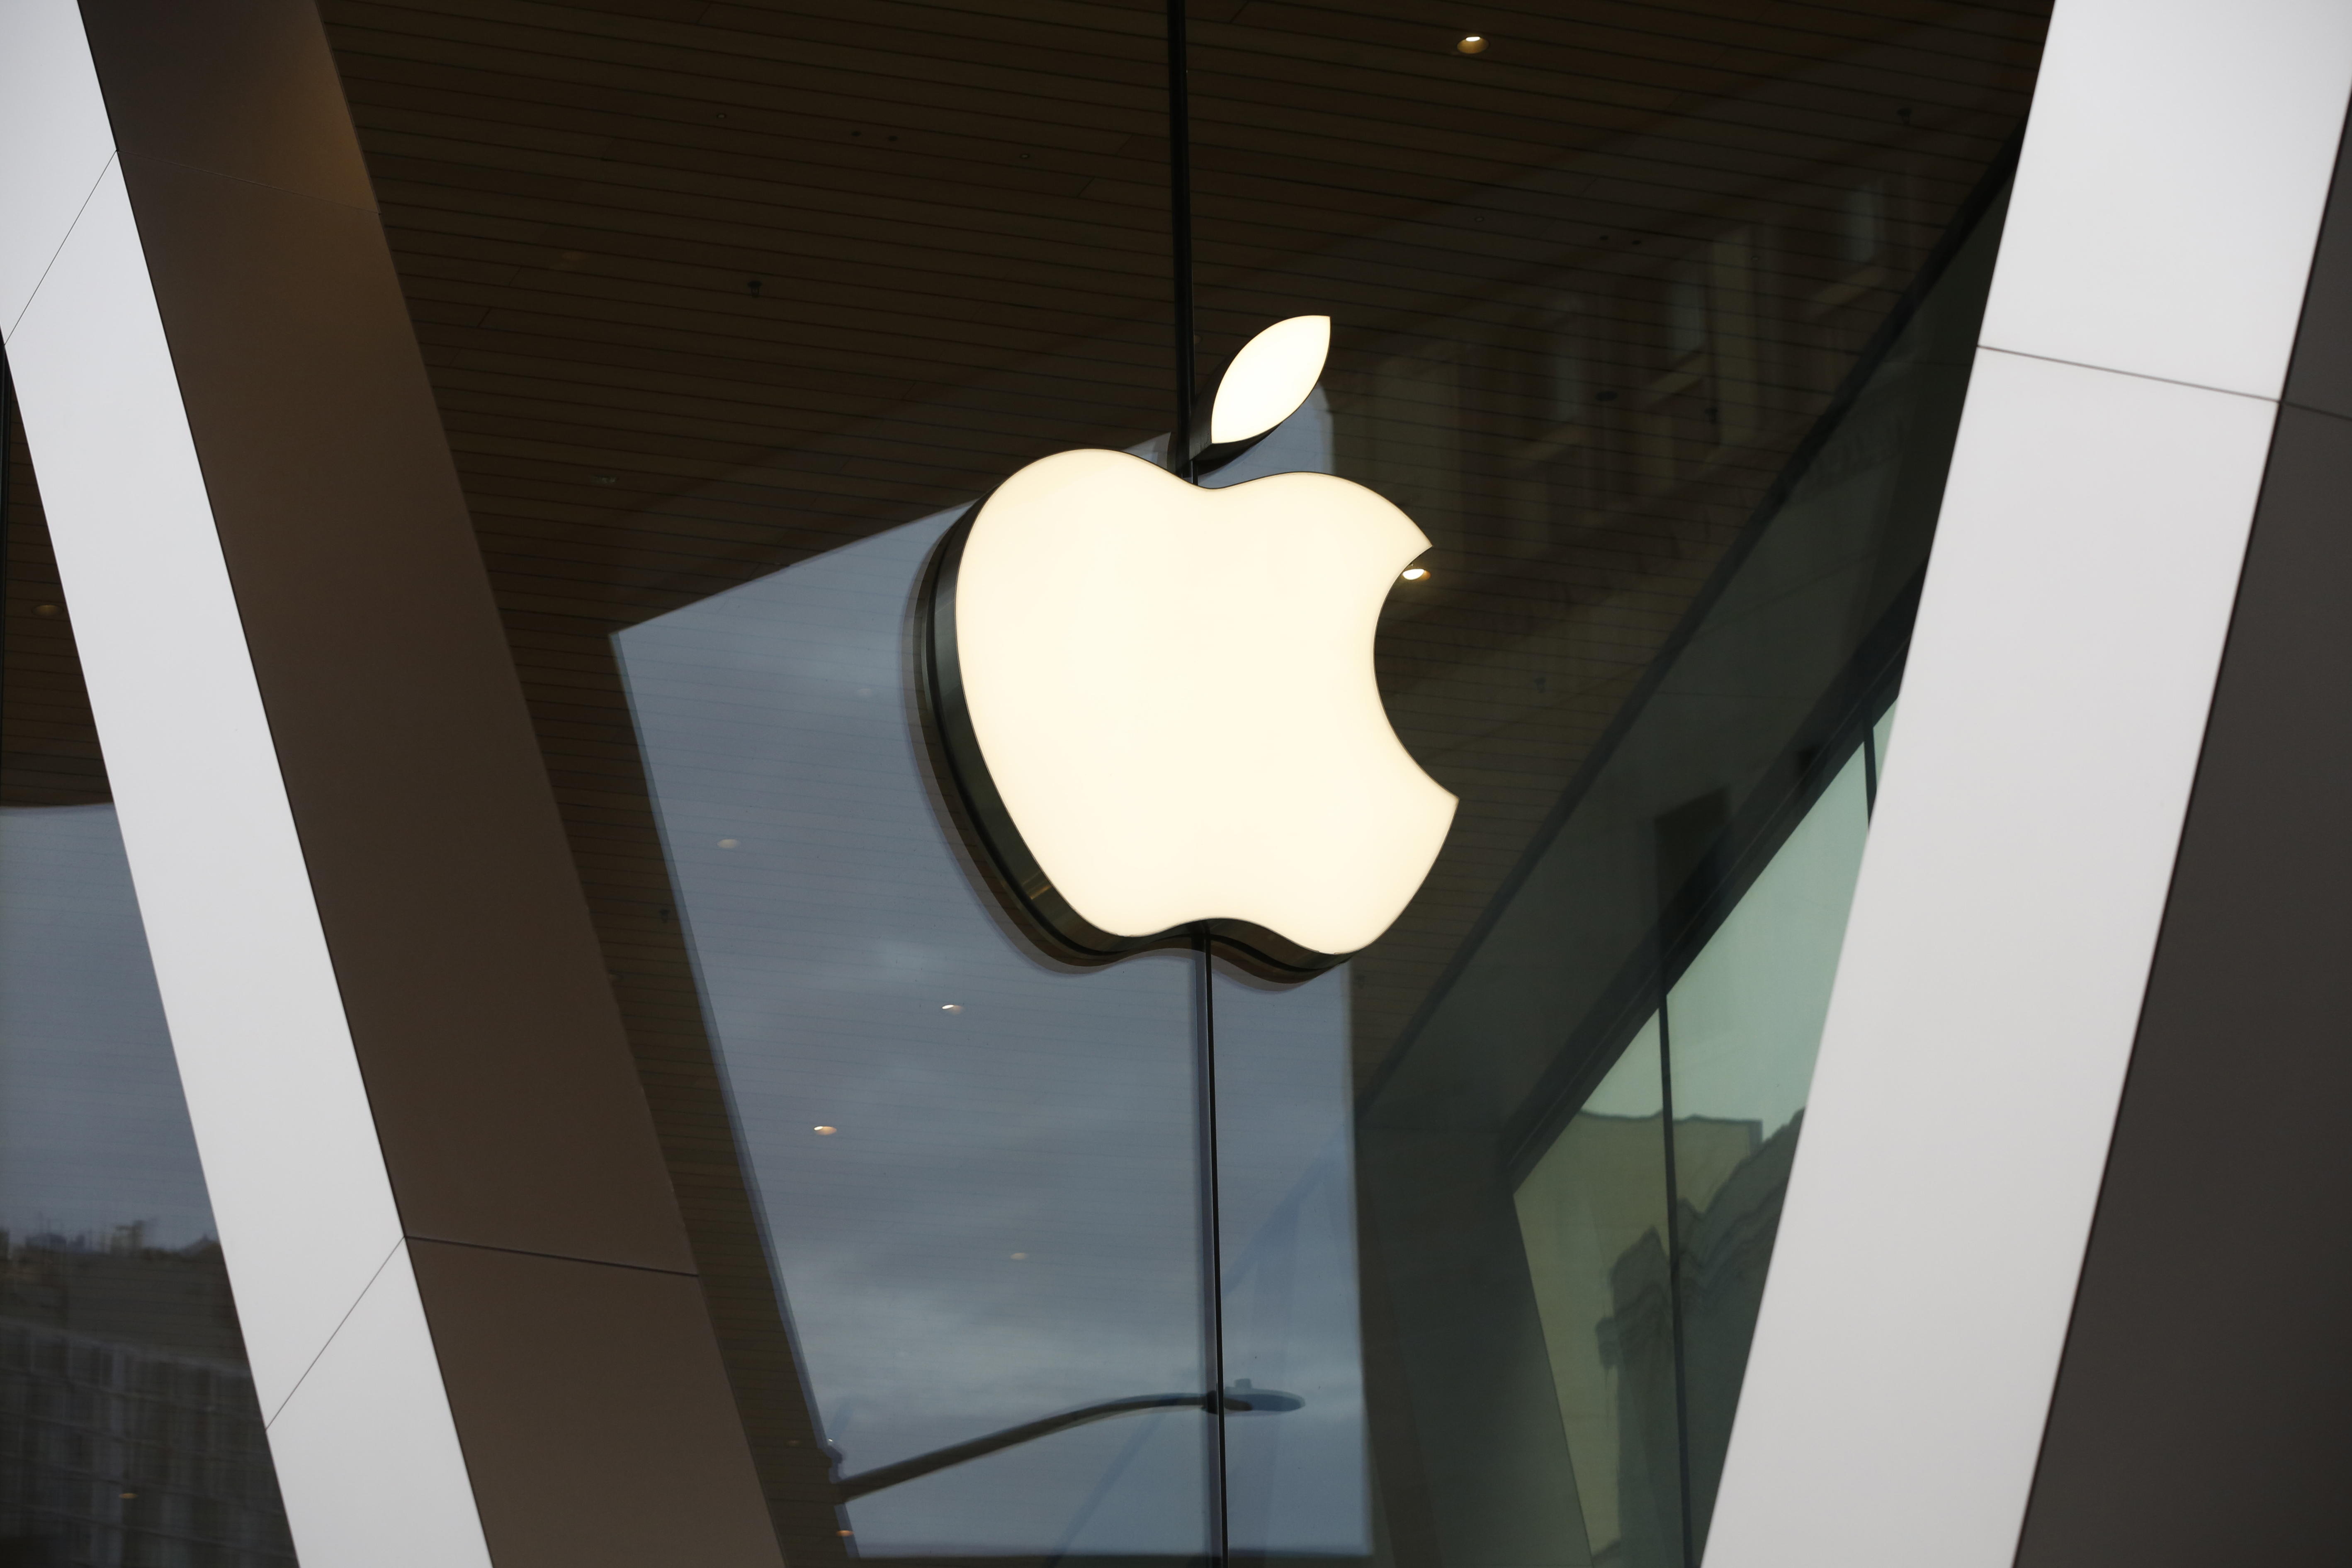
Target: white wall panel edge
x,y
2113,445
296,1174
2174,172
367,1454
1991,985
281,1116
55,140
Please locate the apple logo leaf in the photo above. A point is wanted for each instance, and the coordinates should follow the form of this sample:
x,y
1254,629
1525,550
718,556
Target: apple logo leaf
x,y
1273,374
1270,378
1157,702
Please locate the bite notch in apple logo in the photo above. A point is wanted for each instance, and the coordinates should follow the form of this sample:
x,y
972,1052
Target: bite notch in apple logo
x,y
1157,700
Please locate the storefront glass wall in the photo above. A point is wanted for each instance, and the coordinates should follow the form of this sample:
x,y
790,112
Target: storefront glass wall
x,y
1656,322
129,1429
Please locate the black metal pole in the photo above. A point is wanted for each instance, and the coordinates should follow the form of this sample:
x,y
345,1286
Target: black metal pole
x,y
1256,1401
1213,1252
1180,239
846,1487
1674,1280
1180,463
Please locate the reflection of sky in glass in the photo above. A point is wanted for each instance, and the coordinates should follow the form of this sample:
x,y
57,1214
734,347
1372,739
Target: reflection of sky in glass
x,y
1005,1223
1285,1194
94,1134
1285,1189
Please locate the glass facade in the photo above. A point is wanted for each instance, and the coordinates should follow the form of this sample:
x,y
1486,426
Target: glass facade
x,y
1656,322
977,1172
130,1434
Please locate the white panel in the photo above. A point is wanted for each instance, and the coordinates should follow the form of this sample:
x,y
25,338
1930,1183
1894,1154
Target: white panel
x,y
1991,983
369,1466
367,1456
2174,172
281,1116
55,140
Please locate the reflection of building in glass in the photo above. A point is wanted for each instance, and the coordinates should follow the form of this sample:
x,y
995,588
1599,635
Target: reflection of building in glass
x,y
129,1430
1637,1343
1726,1247
498,454
1647,1242
1630,1469
129,1433
1725,1238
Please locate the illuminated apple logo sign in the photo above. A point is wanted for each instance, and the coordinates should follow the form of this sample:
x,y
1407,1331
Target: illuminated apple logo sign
x,y
1157,700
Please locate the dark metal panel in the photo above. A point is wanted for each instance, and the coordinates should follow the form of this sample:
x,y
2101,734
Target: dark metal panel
x,y
242,87
2321,375
542,1354
495,1063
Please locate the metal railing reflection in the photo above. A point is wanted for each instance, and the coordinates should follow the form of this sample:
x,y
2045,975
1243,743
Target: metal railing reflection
x,y
1240,1399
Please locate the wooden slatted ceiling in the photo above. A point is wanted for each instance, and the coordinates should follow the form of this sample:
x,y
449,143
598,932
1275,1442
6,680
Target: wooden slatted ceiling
x,y
706,290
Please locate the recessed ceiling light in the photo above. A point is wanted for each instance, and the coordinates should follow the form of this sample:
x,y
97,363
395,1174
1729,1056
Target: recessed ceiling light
x,y
1473,45
1415,573
825,1132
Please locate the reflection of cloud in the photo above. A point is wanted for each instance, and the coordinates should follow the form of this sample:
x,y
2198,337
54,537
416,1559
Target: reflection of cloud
x,y
1286,1188
94,1134
1050,1116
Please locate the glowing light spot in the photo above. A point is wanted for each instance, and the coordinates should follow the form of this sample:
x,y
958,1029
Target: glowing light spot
x,y
825,1132
950,1007
1337,826
1473,45
1415,573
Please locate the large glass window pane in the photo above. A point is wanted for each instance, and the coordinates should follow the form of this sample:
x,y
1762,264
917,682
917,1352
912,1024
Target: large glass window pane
x,y
1289,1312
728,313
978,1173
1657,323
129,1429
1593,1214
1745,1020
